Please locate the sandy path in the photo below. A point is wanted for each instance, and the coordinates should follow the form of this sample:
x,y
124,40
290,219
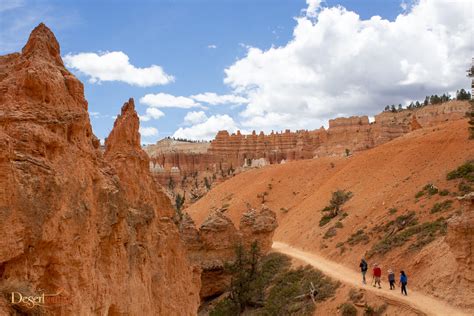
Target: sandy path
x,y
416,300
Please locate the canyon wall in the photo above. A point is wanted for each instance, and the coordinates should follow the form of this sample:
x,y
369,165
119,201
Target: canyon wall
x,y
95,231
191,169
213,244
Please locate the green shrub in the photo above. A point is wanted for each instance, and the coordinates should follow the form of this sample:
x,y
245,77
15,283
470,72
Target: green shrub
x,y
226,307
375,311
419,194
465,171
358,237
444,192
338,225
326,218
294,283
438,207
425,232
430,189
355,295
269,286
331,232
392,211
338,198
347,309
464,188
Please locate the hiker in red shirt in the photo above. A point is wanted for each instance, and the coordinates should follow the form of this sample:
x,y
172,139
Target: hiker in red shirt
x,y
377,275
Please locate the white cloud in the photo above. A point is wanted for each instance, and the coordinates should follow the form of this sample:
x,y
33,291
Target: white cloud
x,y
195,117
164,100
148,131
339,64
207,130
115,66
94,114
151,114
212,46
313,7
215,99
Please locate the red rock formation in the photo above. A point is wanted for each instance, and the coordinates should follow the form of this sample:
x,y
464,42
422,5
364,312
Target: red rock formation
x,y
189,169
97,229
460,237
351,133
214,243
236,149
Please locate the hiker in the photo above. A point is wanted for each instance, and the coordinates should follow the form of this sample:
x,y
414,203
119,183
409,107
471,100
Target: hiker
x,y
391,279
377,272
363,269
403,282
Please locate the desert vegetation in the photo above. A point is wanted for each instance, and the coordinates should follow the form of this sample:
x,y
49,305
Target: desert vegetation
x,y
338,199
442,206
465,173
423,233
461,95
270,286
470,115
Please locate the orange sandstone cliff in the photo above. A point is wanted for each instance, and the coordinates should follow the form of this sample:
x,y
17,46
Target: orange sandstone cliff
x,y
96,230
191,169
213,244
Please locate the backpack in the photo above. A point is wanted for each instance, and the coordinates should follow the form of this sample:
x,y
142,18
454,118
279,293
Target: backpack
x,y
363,266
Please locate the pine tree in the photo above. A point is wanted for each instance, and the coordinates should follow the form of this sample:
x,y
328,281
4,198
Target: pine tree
x,y
463,95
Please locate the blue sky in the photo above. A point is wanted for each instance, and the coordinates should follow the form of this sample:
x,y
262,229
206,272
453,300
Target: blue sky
x,y
205,46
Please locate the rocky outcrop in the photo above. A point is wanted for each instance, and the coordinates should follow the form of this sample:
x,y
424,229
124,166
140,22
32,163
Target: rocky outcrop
x,y
346,134
99,230
460,239
237,149
195,167
213,244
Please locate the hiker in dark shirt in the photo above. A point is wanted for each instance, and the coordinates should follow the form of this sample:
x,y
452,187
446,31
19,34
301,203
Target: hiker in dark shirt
x,y
403,282
391,279
363,269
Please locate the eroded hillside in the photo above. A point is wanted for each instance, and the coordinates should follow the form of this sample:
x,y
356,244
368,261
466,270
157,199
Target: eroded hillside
x,y
403,214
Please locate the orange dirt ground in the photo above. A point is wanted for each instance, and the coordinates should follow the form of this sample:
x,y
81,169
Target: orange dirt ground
x,y
381,178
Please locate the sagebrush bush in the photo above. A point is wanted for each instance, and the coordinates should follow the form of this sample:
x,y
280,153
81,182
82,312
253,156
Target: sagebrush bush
x,y
347,309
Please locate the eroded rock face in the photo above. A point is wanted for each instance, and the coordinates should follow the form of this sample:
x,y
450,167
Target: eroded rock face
x,y
213,244
190,169
460,239
99,229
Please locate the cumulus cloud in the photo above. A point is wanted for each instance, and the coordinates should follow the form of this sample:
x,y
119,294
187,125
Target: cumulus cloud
x,y
339,64
313,7
148,131
115,66
164,100
212,46
208,129
215,99
195,117
151,114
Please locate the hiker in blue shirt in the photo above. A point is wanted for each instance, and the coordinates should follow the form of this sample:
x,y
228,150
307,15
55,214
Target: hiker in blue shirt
x,y
363,269
403,282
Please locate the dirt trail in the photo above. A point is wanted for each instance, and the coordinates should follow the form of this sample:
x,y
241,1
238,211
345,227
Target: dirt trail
x,y
420,302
